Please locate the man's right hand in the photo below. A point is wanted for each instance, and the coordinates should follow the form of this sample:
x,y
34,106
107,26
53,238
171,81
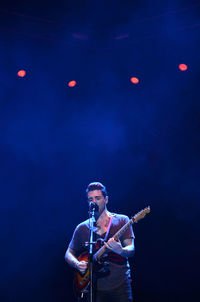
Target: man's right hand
x,y
82,266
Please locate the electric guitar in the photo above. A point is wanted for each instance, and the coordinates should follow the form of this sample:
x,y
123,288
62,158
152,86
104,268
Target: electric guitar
x,y
82,280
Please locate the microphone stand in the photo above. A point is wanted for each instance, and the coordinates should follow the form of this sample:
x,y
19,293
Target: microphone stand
x,y
91,243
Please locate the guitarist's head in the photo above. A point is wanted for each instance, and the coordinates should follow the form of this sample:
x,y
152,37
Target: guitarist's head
x,y
96,192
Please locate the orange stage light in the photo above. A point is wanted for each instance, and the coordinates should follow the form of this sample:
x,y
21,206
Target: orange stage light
x,y
21,73
183,67
134,80
72,83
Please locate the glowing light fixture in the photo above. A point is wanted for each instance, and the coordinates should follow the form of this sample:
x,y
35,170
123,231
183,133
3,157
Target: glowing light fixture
x,y
183,67
134,80
72,83
21,73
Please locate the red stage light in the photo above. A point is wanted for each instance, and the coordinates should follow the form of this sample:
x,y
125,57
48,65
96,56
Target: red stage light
x,y
72,83
183,67
134,80
21,73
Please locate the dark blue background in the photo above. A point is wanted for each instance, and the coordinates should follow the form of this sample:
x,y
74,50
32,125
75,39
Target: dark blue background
x,y
142,141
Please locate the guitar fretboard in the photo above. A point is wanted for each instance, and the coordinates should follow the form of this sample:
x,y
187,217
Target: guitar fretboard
x,y
138,216
101,251
123,229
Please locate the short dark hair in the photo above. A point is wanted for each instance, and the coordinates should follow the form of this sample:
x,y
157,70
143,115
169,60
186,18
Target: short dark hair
x,y
96,186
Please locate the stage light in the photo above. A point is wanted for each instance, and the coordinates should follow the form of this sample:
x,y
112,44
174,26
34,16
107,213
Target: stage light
x,y
183,67
134,80
21,73
72,83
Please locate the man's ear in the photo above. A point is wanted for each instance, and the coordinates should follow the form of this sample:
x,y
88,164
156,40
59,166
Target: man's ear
x,y
106,199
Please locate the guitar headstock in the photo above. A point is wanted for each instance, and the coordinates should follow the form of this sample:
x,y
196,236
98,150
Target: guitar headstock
x,y
140,214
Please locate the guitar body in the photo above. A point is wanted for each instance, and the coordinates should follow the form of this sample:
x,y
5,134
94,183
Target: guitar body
x,y
82,280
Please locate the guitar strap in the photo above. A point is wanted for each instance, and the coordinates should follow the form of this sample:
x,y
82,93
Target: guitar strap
x,y
108,230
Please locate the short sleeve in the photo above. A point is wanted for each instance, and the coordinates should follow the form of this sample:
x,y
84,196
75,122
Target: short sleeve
x,y
129,234
75,243
79,238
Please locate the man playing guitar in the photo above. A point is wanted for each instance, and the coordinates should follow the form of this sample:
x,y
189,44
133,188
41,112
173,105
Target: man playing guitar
x,y
114,285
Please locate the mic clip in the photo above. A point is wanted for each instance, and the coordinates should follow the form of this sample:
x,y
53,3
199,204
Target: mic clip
x,y
93,207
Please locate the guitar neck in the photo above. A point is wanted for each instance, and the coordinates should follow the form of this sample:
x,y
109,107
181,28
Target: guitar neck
x,y
137,217
101,251
123,229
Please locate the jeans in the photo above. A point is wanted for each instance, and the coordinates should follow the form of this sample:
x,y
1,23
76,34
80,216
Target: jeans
x,y
123,293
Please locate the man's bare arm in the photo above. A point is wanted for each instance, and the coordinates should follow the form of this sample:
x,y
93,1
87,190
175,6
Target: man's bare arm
x,y
73,261
127,250
70,258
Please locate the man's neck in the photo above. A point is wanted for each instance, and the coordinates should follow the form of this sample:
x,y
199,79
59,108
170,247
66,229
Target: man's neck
x,y
105,215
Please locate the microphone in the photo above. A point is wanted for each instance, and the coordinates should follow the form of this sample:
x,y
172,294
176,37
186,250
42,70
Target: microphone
x,y
93,207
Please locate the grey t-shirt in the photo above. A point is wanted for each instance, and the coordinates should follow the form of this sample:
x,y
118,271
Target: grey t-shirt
x,y
119,266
